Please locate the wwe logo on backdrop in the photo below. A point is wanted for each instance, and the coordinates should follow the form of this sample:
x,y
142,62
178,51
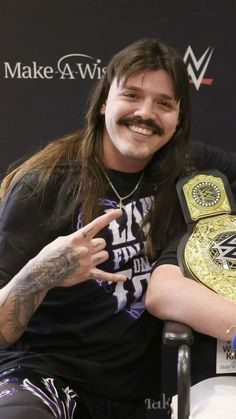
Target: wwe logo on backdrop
x,y
197,67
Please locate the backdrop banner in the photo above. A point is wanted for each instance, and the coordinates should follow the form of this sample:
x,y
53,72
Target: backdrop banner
x,y
52,53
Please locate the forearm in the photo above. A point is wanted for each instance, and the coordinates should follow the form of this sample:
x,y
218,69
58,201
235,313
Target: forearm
x,y
171,296
19,299
65,262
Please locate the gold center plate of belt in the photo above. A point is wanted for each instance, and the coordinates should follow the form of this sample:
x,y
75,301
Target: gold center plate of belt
x,y
210,254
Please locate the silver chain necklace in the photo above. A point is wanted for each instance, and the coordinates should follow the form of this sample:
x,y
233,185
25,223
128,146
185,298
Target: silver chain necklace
x,y
120,205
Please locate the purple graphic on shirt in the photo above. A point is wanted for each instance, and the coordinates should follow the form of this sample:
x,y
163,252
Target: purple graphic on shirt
x,y
61,409
107,203
8,392
134,312
3,382
79,221
107,286
125,240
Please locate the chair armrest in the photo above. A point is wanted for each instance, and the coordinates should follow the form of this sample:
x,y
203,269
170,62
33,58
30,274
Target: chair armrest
x,y
181,336
176,334
184,381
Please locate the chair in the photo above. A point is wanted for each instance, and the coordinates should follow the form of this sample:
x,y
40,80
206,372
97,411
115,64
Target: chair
x,y
213,398
180,335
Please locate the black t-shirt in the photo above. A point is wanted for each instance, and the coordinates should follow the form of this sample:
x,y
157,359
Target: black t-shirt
x,y
96,334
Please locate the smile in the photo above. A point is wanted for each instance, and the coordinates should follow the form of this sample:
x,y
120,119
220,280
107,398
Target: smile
x,y
140,130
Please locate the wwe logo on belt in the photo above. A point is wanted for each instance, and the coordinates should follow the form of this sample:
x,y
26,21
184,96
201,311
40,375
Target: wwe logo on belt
x,y
223,250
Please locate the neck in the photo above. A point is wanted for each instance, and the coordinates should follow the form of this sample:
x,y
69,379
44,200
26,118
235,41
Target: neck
x,y
124,165
120,203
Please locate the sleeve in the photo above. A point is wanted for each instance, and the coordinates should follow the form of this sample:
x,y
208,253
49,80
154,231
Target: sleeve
x,y
169,255
26,226
208,157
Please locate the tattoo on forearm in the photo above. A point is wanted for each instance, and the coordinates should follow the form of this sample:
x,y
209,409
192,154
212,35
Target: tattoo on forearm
x,y
23,299
53,271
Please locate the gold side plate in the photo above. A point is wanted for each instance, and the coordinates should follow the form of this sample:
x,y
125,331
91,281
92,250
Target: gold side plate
x,y
205,195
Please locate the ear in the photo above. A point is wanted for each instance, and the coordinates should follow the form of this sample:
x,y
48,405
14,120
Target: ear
x,y
178,122
103,108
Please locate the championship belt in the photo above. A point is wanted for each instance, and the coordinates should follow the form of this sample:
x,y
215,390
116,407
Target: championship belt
x,y
207,252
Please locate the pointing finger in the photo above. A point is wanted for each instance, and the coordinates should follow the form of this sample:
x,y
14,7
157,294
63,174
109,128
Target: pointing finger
x,y
91,229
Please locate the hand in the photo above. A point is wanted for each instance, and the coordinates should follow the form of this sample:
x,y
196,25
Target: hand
x,y
72,259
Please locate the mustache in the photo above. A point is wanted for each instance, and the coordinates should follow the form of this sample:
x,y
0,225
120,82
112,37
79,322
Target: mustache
x,y
137,121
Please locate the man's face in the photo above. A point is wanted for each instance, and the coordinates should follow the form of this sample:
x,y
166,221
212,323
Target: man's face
x,y
141,116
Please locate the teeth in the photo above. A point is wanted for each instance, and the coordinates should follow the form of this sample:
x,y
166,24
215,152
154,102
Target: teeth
x,y
144,131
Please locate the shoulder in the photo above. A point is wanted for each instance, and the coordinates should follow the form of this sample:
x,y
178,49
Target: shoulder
x,y
207,157
35,180
33,193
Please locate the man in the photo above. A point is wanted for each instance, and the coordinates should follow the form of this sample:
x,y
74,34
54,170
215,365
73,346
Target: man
x,y
76,338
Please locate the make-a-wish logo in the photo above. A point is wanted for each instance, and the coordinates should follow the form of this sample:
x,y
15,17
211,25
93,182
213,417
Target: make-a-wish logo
x,y
70,66
197,67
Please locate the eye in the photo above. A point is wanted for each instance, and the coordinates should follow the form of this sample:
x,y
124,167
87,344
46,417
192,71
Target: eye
x,y
165,104
130,95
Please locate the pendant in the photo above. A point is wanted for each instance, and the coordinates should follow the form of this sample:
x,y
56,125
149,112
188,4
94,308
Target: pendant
x,y
120,205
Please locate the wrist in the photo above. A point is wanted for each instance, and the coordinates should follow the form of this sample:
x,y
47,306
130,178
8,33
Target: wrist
x,y
231,332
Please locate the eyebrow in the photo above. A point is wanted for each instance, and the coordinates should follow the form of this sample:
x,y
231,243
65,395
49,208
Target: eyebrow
x,y
138,89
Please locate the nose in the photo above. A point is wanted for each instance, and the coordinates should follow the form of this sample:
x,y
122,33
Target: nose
x,y
145,110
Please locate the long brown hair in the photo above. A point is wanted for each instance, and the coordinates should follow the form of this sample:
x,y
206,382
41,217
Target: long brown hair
x,y
80,154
